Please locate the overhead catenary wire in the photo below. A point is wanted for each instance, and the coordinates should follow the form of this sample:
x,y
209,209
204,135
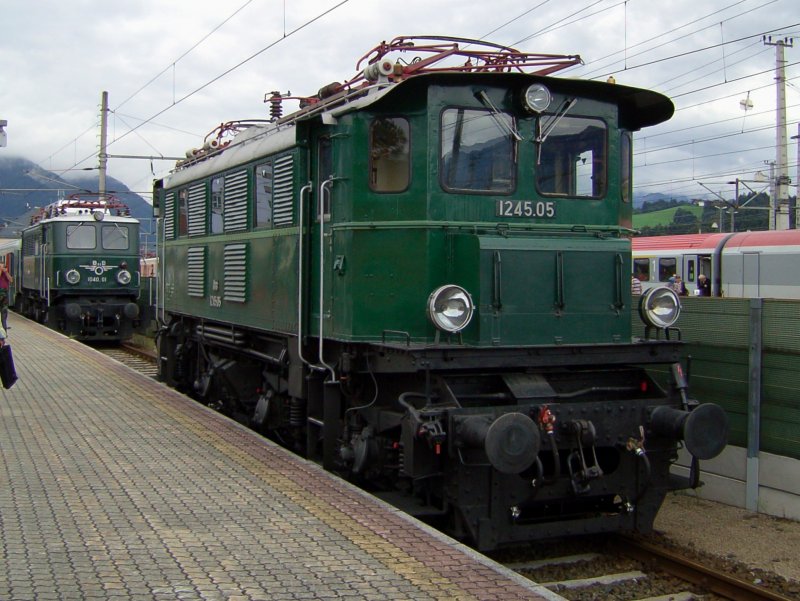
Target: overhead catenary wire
x,y
228,71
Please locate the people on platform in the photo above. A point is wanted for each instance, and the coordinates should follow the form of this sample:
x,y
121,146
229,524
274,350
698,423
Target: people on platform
x,y
5,283
676,283
703,285
636,284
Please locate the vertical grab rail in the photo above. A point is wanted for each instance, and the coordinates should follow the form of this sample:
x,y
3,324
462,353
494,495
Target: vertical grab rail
x,y
324,188
305,190
560,301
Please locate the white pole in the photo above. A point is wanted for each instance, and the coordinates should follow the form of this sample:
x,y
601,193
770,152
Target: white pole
x,y
103,156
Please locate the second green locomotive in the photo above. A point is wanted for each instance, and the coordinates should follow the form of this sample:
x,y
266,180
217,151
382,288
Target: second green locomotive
x,y
80,268
422,280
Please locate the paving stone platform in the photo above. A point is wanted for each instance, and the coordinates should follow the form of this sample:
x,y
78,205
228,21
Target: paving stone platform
x,y
113,486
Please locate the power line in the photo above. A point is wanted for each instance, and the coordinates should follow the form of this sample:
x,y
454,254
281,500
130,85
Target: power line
x,y
223,74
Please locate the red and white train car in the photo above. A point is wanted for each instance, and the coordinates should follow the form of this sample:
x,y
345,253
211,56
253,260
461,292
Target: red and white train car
x,y
741,264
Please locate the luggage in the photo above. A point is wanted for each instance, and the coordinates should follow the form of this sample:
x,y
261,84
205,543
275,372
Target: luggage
x,y
8,374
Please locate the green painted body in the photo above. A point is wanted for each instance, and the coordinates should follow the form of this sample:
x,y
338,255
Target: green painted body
x,y
534,281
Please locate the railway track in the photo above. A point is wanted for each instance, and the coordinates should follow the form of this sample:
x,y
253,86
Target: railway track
x,y
630,569
618,569
140,359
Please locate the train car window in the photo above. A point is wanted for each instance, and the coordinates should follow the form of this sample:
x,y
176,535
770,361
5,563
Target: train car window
x,y
477,152
265,179
81,237
183,212
115,237
389,155
667,267
573,160
626,164
217,206
690,270
641,269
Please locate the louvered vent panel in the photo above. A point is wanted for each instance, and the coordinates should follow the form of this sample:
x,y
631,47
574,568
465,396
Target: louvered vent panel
x,y
283,212
236,273
197,210
196,271
236,202
169,216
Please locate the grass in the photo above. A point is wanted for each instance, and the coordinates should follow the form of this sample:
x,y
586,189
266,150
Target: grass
x,y
663,217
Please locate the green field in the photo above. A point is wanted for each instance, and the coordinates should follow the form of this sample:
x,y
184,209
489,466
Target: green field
x,y
663,217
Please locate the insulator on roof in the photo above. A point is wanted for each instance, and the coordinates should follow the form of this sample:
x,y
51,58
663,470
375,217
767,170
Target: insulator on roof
x,y
275,106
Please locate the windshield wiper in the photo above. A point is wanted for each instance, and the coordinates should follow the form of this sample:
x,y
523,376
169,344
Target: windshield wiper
x,y
562,110
495,113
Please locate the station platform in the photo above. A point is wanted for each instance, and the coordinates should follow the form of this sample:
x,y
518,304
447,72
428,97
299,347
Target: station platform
x,y
114,486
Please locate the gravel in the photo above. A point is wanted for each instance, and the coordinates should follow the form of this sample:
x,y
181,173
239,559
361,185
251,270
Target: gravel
x,y
756,547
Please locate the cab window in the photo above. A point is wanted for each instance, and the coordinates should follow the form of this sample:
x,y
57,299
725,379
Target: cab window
x,y
572,159
477,151
115,237
81,237
389,157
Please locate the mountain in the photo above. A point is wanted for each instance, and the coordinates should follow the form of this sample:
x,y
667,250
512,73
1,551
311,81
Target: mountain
x,y
25,187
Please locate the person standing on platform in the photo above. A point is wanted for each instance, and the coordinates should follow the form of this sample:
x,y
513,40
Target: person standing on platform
x,y
703,285
5,283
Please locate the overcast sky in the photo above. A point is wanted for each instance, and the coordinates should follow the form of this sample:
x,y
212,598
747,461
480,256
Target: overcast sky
x,y
182,67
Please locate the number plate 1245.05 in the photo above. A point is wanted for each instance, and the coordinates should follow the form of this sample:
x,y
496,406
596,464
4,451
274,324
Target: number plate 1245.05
x,y
525,208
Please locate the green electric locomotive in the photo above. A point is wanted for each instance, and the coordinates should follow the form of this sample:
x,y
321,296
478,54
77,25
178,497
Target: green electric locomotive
x,y
80,268
421,279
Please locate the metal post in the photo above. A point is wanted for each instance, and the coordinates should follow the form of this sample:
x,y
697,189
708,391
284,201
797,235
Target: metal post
x,y
103,155
754,405
781,160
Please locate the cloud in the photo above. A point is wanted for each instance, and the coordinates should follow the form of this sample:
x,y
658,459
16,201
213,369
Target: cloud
x,y
57,58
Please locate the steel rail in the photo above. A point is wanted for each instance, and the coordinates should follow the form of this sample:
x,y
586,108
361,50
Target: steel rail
x,y
709,578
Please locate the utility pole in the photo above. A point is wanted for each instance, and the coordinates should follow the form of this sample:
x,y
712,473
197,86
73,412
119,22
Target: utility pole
x,y
103,156
797,180
781,160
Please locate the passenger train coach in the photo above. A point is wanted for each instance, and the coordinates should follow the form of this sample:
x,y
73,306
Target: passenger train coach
x,y
742,264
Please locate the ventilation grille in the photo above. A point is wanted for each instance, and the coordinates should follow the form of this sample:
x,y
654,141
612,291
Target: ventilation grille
x,y
169,217
283,212
236,202
196,271
236,273
197,210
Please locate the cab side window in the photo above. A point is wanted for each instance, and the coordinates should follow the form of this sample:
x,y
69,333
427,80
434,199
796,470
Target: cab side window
x,y
389,154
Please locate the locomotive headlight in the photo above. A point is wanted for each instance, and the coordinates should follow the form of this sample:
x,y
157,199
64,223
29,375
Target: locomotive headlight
x,y
450,308
537,98
73,276
660,307
124,277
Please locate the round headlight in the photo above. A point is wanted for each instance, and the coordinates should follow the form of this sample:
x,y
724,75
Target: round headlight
x,y
450,308
537,98
124,277
73,276
660,307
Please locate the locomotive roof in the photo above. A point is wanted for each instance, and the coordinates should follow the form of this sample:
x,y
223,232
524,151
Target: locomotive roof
x,y
80,207
384,71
